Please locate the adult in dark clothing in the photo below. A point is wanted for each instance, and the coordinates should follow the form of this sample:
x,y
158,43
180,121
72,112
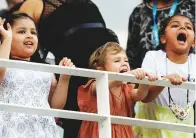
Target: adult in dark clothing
x,y
74,28
140,37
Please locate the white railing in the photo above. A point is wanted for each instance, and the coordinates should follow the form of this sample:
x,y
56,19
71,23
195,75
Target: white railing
x,y
103,117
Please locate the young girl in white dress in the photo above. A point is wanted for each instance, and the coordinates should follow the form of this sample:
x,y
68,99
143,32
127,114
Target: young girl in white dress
x,y
26,87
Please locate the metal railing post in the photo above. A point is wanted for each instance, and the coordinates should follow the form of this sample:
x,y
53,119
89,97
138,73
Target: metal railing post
x,y
103,105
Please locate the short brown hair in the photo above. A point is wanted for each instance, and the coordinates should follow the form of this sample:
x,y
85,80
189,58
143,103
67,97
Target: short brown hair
x,y
98,57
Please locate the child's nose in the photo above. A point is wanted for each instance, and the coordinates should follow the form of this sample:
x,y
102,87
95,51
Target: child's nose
x,y
29,35
124,63
182,27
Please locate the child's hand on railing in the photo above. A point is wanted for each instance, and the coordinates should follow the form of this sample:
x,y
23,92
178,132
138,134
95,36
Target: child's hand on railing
x,y
175,79
140,74
68,63
151,76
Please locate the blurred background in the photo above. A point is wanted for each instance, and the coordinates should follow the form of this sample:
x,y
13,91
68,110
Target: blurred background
x,y
115,13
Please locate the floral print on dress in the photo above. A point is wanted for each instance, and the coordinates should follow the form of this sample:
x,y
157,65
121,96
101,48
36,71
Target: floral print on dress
x,y
29,88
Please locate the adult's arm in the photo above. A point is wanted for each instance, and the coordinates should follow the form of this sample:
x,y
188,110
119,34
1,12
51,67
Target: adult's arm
x,y
33,8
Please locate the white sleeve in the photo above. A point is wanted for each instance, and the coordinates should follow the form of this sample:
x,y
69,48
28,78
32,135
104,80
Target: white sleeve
x,y
149,63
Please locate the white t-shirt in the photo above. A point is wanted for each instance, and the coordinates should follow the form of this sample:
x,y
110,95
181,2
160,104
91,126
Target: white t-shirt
x,y
156,62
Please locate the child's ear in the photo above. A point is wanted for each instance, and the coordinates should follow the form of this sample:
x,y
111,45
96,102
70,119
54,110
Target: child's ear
x,y
99,68
163,39
193,44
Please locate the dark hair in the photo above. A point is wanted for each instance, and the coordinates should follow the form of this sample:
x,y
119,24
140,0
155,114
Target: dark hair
x,y
163,26
16,16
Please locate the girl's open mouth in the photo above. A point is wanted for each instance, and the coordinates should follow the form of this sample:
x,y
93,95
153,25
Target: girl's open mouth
x,y
123,70
181,38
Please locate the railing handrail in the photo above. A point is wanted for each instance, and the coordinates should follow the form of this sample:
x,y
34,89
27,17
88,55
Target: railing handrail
x,y
89,73
103,117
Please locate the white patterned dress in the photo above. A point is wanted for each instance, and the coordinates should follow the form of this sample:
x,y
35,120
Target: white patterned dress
x,y
30,88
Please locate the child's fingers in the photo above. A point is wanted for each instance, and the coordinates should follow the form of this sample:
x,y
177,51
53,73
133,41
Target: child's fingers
x,y
70,64
62,61
184,79
134,72
67,62
176,80
3,32
154,78
1,29
6,33
9,27
139,74
151,77
142,74
2,21
73,66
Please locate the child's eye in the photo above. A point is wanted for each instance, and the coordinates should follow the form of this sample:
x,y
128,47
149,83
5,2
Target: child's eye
x,y
189,28
34,32
117,61
174,26
21,32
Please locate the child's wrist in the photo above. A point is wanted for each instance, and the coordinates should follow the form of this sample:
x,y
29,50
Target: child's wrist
x,y
65,77
7,40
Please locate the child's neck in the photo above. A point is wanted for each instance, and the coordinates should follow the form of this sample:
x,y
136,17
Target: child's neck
x,y
116,88
115,84
161,4
177,58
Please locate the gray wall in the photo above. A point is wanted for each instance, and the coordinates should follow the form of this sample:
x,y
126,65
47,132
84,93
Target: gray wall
x,y
116,14
3,4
